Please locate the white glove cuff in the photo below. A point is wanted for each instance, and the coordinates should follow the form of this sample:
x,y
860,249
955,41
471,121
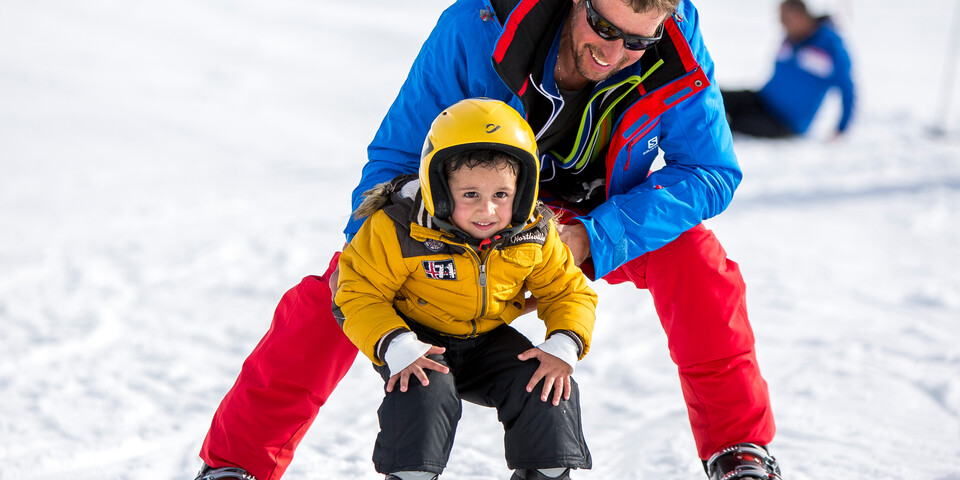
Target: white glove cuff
x,y
562,347
403,350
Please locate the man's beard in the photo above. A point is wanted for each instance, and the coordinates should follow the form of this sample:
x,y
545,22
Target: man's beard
x,y
581,57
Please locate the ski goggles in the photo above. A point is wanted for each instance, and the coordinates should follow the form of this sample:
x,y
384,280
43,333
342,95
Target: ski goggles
x,y
607,31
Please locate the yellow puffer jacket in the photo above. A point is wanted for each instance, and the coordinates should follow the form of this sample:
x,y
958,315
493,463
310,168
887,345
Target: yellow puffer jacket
x,y
399,261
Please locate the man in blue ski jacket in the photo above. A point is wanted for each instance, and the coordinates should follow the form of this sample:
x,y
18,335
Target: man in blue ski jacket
x,y
811,61
606,85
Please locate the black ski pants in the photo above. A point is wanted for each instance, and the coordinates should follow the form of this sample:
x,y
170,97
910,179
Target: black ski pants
x,y
747,114
417,427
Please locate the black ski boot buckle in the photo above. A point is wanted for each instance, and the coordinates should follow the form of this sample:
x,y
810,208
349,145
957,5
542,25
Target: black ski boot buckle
x,y
742,461
225,473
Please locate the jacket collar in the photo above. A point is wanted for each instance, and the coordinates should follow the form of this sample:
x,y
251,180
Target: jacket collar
x,y
521,54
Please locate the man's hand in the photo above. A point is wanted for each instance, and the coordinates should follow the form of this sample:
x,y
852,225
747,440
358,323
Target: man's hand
x,y
529,305
417,368
335,276
554,372
576,237
334,279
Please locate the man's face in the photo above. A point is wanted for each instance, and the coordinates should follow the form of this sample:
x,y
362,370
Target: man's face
x,y
597,59
795,23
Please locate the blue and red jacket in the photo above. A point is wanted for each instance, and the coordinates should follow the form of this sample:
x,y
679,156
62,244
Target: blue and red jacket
x,y
804,72
667,101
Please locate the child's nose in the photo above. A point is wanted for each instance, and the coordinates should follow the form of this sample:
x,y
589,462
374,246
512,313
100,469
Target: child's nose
x,y
489,207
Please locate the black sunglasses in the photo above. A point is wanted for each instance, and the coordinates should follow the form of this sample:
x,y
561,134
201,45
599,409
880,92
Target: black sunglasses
x,y
608,31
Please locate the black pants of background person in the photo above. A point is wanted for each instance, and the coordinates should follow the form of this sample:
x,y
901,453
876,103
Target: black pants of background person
x,y
417,427
747,114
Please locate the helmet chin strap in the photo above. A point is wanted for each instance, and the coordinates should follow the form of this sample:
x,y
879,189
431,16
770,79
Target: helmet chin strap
x,y
449,227
486,242
477,243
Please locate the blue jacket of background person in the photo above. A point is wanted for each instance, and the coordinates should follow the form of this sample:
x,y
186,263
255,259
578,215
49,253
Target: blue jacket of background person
x,y
805,71
667,101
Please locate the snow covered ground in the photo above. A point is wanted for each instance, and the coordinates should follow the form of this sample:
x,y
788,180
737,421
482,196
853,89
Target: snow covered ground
x,y
169,169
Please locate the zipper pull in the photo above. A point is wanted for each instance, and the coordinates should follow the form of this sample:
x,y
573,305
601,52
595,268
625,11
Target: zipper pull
x,y
483,275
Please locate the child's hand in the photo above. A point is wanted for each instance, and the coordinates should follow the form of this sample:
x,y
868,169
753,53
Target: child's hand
x,y
554,372
416,368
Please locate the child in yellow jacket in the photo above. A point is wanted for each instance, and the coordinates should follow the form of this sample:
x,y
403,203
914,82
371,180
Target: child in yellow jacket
x,y
429,286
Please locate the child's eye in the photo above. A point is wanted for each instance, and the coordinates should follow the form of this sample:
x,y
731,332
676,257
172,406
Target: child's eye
x,y
470,194
501,194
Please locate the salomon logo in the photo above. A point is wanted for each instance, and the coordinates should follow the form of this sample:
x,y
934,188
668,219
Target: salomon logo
x,y
652,144
492,128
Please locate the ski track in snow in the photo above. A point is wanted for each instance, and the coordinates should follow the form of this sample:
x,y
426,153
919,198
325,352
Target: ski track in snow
x,y
167,173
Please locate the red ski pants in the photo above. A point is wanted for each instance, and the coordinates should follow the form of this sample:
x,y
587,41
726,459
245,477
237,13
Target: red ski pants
x,y
699,295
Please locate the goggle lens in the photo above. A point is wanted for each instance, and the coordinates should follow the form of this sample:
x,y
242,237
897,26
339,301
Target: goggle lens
x,y
607,31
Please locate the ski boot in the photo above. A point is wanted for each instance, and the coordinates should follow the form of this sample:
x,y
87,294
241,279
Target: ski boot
x,y
742,461
225,473
412,476
521,474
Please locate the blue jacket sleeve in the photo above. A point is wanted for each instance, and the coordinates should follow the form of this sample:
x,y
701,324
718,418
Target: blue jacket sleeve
x,y
453,64
697,182
843,78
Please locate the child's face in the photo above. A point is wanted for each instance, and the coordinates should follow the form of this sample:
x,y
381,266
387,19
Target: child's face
x,y
482,199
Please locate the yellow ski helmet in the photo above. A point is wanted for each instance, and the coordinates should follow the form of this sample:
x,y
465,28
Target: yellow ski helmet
x,y
472,124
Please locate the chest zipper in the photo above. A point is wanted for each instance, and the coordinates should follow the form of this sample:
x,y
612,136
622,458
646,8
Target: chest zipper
x,y
482,281
591,136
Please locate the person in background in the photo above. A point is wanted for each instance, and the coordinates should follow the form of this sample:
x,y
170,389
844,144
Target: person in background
x,y
606,86
811,61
